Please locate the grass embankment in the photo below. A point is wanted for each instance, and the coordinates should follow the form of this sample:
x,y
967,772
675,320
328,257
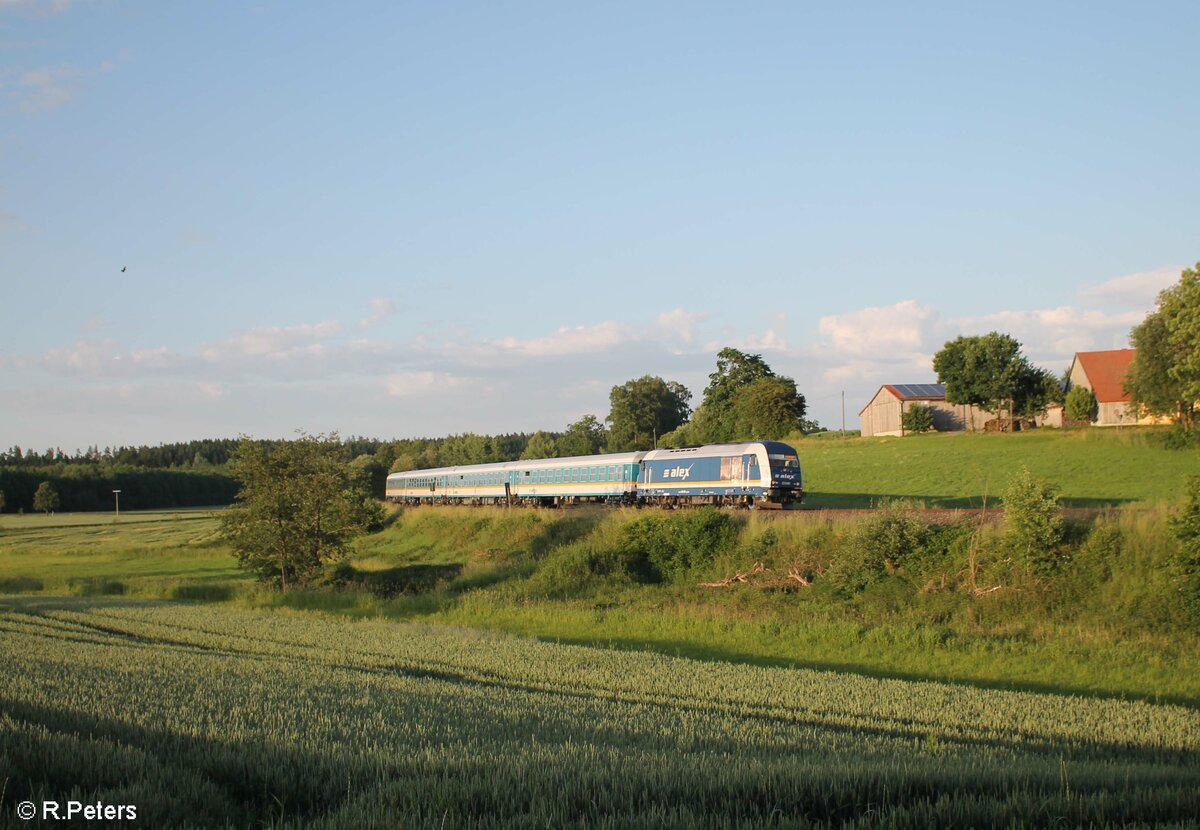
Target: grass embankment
x,y
218,717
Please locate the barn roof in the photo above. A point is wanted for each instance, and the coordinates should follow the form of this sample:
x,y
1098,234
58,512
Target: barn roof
x,y
917,391
910,392
1106,373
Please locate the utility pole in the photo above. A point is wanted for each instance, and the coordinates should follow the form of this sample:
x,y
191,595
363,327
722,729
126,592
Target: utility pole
x,y
117,498
843,413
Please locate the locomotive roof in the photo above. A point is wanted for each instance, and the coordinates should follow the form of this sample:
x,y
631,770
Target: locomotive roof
x,y
772,448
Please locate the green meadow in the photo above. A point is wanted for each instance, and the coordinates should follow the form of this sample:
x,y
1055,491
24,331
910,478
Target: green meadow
x,y
1094,467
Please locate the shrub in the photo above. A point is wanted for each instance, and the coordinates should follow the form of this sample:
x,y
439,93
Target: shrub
x,y
877,547
917,418
666,546
1185,565
1081,405
1033,522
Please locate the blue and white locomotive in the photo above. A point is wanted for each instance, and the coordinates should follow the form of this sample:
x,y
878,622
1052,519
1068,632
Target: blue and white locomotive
x,y
754,474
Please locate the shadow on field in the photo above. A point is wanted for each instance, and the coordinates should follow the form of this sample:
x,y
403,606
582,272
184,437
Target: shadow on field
x,y
393,582
682,648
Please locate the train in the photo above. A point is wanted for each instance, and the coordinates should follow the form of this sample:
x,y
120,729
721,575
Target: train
x,y
752,474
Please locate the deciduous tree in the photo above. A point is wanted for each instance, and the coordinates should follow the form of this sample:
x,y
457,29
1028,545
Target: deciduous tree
x,y
587,436
45,499
1081,405
1165,375
643,409
296,509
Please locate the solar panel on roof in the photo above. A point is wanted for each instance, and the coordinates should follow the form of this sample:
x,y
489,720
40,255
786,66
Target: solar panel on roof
x,y
920,390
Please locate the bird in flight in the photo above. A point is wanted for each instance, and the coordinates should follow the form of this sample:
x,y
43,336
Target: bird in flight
x,y
123,267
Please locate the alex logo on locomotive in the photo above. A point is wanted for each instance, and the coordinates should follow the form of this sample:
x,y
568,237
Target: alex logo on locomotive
x,y
678,472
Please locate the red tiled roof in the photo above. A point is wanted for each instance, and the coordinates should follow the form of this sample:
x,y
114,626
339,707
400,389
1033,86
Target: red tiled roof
x,y
1106,373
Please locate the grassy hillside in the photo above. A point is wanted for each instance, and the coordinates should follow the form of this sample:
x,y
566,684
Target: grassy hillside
x,y
221,717
1092,466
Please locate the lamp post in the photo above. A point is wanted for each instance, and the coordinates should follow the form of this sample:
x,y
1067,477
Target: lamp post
x,y
117,499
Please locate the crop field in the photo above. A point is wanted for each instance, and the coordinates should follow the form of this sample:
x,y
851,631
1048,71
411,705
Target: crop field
x,y
205,716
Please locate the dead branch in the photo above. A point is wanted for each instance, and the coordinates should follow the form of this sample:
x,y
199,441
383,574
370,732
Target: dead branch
x,y
737,577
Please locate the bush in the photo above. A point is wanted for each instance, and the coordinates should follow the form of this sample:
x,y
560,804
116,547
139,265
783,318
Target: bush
x,y
1081,405
1185,565
877,547
917,418
1033,522
666,546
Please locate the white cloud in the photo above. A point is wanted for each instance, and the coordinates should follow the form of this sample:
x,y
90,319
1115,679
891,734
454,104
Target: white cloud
x,y
408,384
769,342
570,340
274,342
1056,333
679,324
879,330
1140,290
381,309
83,356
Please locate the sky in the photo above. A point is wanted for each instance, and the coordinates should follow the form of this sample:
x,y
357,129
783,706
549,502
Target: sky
x,y
415,219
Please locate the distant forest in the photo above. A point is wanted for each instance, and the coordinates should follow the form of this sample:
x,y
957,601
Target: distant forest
x,y
193,473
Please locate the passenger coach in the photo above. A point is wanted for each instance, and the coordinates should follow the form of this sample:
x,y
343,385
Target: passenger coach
x,y
762,473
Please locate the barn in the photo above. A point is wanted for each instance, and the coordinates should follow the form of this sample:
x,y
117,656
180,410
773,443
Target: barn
x,y
1104,373
884,414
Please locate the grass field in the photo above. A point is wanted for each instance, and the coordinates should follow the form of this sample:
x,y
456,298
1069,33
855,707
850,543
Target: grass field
x,y
150,552
205,716
1092,466
478,568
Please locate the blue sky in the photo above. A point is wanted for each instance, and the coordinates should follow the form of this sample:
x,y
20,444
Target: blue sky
x,y
400,219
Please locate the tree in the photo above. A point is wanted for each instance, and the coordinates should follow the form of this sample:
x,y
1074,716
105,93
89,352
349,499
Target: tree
x,y
1,501
643,409
1149,382
587,436
1186,563
1181,306
956,369
296,508
989,371
1033,521
468,448
1081,405
1165,375
541,445
46,498
715,419
917,418
768,408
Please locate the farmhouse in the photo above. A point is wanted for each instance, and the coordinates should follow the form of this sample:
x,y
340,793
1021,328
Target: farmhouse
x,y
1104,373
884,414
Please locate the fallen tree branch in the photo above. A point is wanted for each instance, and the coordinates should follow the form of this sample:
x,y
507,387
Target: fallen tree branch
x,y
737,577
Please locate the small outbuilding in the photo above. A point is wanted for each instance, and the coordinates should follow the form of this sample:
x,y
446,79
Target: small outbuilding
x,y
884,415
